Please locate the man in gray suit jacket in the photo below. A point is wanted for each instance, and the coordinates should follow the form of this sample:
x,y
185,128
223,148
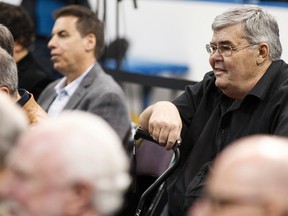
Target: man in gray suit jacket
x,y
76,43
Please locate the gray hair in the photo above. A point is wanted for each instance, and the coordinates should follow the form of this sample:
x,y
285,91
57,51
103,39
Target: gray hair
x,y
259,26
8,72
6,39
13,123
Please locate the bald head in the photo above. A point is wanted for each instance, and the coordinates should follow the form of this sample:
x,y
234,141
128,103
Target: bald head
x,y
250,177
267,147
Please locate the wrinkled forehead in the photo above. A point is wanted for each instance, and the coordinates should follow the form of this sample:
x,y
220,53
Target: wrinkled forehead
x,y
230,34
36,161
36,144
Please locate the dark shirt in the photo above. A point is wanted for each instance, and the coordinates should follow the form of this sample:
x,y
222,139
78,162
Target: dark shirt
x,y
211,121
31,76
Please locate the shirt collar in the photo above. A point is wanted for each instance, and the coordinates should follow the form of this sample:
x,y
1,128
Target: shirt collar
x,y
62,88
263,85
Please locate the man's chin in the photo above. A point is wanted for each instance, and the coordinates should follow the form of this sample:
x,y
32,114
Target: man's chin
x,y
58,69
220,83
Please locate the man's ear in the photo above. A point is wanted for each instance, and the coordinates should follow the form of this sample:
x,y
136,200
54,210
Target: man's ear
x,y
5,90
80,197
90,42
263,54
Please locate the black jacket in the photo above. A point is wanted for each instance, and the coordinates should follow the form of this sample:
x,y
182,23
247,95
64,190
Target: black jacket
x,y
31,76
211,121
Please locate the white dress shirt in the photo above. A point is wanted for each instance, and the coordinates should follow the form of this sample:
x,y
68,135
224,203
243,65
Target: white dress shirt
x,y
64,93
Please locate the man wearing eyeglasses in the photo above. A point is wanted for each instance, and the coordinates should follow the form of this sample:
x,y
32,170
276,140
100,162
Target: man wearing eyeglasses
x,y
249,178
245,93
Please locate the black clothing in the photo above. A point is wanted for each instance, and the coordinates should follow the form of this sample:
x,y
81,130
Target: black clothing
x,y
211,121
24,97
31,76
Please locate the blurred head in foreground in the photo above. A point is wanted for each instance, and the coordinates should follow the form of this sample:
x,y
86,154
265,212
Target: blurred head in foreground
x,y
250,177
74,164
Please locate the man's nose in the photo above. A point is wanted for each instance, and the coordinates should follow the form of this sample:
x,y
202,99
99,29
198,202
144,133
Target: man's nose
x,y
51,43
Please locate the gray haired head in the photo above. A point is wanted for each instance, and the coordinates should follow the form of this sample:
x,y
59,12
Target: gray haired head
x,y
259,26
8,72
6,39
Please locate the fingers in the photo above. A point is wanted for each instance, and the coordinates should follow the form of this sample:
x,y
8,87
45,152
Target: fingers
x,y
173,137
165,135
163,123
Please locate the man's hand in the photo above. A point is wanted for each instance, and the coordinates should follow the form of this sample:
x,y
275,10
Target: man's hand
x,y
163,122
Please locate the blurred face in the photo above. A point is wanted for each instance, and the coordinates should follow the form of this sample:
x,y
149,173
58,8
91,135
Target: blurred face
x,y
68,47
29,184
235,74
232,191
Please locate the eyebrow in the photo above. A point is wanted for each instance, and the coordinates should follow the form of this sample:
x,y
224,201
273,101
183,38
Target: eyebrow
x,y
225,42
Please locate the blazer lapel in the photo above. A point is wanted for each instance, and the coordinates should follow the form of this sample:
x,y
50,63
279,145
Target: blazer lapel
x,y
82,89
49,98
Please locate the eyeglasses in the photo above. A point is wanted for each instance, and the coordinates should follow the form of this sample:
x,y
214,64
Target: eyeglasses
x,y
225,50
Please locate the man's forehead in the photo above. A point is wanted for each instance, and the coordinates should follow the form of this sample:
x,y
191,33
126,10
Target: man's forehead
x,y
37,144
67,20
64,24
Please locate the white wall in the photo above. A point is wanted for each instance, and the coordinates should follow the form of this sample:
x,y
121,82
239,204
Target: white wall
x,y
16,2
172,31
175,31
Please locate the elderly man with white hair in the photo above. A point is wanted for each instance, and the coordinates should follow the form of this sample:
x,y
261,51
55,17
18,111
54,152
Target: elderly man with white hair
x,y
74,164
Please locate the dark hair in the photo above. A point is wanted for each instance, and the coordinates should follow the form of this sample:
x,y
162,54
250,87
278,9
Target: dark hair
x,y
17,20
87,23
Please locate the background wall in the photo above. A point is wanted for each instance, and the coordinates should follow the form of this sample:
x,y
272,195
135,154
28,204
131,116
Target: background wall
x,y
173,31
170,31
176,31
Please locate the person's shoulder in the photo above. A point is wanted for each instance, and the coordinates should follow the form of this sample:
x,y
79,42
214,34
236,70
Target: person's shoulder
x,y
103,85
101,76
53,83
208,81
277,79
278,71
49,89
283,66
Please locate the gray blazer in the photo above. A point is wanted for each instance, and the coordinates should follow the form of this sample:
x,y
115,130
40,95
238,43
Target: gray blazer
x,y
97,93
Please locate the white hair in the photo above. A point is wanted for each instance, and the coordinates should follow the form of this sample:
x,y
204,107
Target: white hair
x,y
92,152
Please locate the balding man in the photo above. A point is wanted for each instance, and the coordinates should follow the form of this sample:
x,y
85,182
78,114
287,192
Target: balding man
x,y
250,177
74,164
